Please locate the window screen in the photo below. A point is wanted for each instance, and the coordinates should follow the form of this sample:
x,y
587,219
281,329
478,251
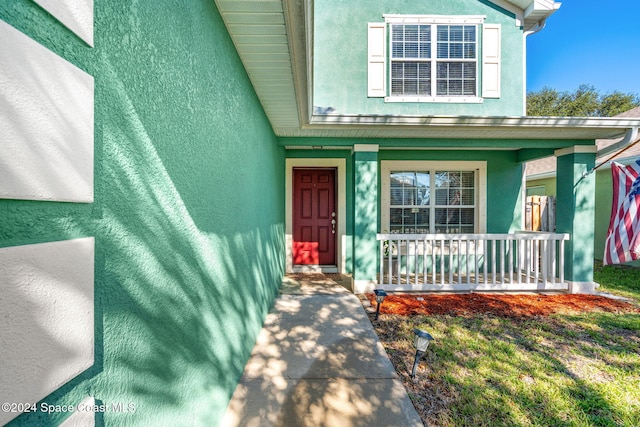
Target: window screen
x,y
416,71
432,201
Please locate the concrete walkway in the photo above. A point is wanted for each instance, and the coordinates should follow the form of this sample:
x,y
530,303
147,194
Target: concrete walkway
x,y
318,362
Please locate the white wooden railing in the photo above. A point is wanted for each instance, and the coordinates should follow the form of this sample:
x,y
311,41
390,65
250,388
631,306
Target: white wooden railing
x,y
520,261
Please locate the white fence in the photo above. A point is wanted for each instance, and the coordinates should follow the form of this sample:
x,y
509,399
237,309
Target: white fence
x,y
457,262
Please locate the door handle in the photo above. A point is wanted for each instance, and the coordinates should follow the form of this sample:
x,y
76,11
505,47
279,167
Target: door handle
x,y
333,226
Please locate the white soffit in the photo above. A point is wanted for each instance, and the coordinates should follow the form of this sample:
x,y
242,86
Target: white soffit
x,y
46,117
47,305
76,15
263,32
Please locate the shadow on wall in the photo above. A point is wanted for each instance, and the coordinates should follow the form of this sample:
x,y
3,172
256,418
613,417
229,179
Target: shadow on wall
x,y
177,308
366,250
583,253
183,305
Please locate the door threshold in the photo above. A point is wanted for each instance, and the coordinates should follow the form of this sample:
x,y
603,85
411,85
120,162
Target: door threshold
x,y
315,269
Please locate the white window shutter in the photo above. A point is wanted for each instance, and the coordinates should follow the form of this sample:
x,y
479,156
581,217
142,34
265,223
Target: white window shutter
x,y
377,70
491,61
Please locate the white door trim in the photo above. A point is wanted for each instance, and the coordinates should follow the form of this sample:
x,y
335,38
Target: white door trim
x,y
340,164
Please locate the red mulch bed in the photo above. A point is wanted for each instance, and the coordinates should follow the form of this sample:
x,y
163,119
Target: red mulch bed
x,y
503,305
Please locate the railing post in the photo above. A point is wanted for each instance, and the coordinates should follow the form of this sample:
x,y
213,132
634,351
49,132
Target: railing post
x,y
554,264
381,280
561,259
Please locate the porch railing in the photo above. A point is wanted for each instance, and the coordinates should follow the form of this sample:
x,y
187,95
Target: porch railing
x,y
520,261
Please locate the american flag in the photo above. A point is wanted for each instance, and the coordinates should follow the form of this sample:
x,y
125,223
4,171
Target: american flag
x,y
623,238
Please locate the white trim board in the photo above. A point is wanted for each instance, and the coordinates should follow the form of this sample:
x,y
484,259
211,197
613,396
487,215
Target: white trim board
x,y
387,166
340,164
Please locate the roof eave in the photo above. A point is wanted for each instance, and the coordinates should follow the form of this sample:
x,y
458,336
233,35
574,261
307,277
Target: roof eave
x,y
537,13
463,127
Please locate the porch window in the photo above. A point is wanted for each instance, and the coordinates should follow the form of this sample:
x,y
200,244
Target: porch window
x,y
430,199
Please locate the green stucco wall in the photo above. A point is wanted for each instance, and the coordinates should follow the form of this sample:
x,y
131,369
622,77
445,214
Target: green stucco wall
x,y
366,214
188,215
575,206
340,68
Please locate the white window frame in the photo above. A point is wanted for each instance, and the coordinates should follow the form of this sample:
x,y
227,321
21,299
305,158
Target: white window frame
x,y
479,167
435,20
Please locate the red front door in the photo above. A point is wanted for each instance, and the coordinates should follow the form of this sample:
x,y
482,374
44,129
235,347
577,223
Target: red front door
x,y
314,217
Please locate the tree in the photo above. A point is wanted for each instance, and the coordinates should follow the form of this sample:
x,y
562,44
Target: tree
x,y
617,102
585,101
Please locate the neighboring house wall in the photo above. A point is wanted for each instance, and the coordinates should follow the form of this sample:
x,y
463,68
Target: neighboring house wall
x,y
541,187
603,200
187,217
340,69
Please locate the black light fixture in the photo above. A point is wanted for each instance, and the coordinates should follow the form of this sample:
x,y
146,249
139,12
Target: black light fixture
x,y
380,294
421,342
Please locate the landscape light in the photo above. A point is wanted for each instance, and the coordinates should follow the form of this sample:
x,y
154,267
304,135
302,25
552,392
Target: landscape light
x,y
421,342
380,294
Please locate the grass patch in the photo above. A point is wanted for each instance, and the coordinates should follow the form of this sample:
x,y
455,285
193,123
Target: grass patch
x,y
619,280
557,370
490,371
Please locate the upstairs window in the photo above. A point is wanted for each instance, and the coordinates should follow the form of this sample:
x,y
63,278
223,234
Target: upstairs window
x,y
411,60
416,71
434,58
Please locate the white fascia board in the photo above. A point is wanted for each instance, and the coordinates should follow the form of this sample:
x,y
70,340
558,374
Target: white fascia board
x,y
365,148
543,175
492,121
434,19
576,149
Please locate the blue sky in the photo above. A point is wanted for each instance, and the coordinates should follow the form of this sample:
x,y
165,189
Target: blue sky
x,y
587,41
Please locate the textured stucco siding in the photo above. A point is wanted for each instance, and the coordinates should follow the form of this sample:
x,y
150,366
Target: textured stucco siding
x,y
340,57
187,216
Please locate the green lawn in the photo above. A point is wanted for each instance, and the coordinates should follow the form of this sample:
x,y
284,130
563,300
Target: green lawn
x,y
619,280
561,370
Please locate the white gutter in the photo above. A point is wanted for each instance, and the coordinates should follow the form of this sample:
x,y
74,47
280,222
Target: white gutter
x,y
539,26
628,140
630,137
